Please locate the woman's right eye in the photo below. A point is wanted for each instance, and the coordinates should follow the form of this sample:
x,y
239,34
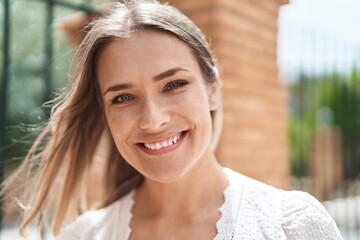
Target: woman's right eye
x,y
124,98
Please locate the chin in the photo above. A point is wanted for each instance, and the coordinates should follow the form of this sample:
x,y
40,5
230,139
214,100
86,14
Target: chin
x,y
167,176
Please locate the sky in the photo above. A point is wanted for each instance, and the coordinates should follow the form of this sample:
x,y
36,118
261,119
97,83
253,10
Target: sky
x,y
319,34
339,17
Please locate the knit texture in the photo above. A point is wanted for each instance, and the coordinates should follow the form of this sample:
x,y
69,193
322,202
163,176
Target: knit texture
x,y
251,210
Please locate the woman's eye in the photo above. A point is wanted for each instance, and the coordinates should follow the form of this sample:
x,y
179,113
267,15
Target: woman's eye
x,y
175,85
122,98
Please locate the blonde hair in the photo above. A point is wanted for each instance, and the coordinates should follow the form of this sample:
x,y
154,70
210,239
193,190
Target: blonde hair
x,y
56,166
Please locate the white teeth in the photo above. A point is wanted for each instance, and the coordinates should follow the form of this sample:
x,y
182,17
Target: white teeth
x,y
163,144
151,146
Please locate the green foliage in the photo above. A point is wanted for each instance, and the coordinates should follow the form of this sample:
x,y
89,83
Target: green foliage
x,y
341,94
27,88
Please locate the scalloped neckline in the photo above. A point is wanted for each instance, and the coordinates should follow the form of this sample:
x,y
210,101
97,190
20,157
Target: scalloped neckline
x,y
225,210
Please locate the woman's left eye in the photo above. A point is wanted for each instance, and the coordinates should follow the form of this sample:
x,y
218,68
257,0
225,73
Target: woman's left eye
x,y
175,84
122,99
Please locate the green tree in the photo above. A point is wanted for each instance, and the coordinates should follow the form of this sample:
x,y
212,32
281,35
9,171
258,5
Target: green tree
x,y
341,94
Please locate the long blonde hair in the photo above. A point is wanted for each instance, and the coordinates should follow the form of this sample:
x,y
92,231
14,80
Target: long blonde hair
x,y
53,174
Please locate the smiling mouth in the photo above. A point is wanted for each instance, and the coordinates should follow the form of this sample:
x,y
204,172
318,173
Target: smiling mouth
x,y
164,144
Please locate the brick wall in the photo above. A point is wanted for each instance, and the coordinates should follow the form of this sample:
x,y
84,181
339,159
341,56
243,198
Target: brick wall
x,y
243,34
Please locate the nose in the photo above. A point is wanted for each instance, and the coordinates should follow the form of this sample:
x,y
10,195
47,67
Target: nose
x,y
153,116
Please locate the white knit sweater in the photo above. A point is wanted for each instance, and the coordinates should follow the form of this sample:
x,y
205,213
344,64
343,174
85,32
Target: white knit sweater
x,y
252,210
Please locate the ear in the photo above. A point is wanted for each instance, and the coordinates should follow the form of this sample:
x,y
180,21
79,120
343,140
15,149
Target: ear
x,y
215,94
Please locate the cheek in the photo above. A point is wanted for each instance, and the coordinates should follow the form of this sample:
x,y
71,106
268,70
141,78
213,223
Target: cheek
x,y
119,123
196,105
195,99
199,101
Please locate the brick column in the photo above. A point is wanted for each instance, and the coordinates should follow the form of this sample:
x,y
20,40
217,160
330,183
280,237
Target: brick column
x,y
243,34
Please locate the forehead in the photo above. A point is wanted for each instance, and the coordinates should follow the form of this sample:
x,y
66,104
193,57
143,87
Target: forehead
x,y
145,52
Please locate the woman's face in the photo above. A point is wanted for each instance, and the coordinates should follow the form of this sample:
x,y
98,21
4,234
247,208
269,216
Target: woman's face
x,y
156,103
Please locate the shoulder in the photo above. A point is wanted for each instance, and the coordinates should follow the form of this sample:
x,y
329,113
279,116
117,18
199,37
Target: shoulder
x,y
303,215
87,224
102,223
296,214
253,192
253,201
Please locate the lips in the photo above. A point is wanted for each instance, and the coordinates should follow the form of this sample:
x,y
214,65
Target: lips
x,y
163,146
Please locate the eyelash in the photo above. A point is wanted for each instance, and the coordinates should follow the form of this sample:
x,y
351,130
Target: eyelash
x,y
116,99
169,87
175,84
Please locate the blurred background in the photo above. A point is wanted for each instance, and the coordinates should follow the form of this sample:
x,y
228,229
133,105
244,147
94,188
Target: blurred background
x,y
291,73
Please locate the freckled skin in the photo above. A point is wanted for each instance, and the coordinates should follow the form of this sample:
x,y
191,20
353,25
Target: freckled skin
x,y
153,111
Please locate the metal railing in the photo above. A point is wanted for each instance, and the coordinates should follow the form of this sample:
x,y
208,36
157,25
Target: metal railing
x,y
4,91
323,75
48,60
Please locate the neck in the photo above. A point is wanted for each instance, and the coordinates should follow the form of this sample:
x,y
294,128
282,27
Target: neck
x,y
200,189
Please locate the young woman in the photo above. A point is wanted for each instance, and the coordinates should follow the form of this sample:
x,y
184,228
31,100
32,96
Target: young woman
x,y
147,82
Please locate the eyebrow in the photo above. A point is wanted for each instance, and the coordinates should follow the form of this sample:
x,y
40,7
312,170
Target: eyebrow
x,y
118,87
159,77
168,73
